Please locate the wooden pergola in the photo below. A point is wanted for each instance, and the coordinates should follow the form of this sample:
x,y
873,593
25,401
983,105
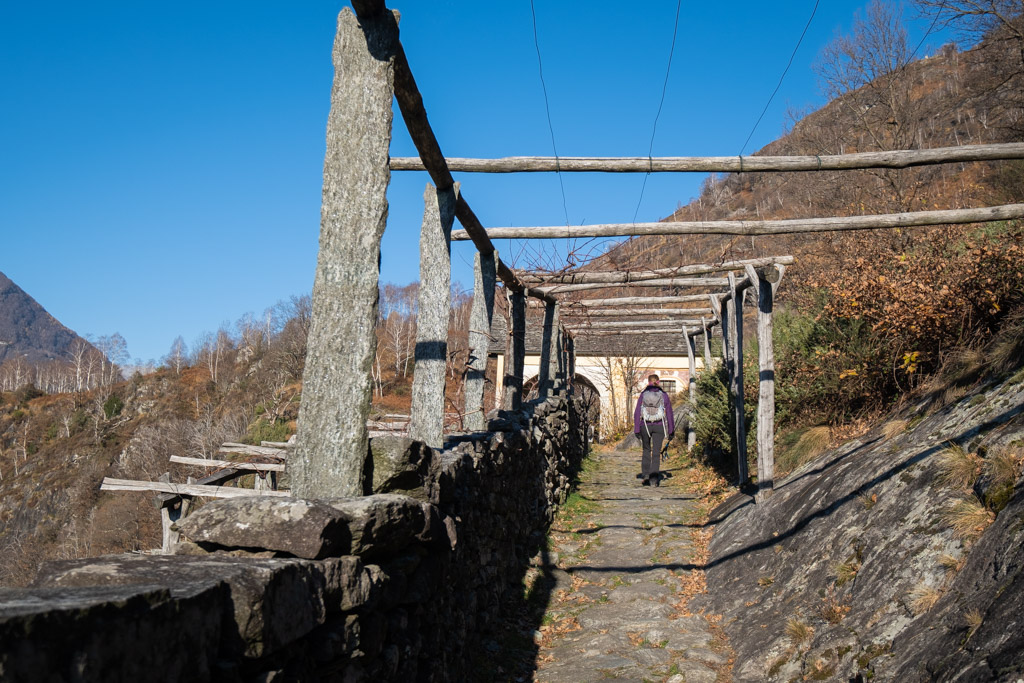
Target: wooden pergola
x,y
371,72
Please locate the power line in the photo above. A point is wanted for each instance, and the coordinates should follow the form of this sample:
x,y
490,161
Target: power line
x,y
781,78
547,109
664,89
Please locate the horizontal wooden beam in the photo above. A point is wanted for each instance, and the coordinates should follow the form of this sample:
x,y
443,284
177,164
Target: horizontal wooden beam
x,y
623,276
661,282
730,164
110,484
632,324
249,449
775,227
254,466
575,314
587,333
635,301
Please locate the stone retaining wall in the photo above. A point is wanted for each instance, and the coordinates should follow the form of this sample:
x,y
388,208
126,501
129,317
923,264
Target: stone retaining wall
x,y
404,584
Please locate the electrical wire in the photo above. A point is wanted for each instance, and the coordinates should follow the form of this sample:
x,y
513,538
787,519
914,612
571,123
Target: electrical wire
x,y
547,110
781,78
664,89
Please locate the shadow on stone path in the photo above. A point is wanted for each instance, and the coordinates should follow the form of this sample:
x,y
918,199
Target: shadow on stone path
x,y
623,558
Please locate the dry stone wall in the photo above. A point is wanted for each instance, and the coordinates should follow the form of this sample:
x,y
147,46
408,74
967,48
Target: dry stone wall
x,y
402,585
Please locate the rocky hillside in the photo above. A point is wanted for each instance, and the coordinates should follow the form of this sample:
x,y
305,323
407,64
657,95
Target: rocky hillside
x,y
28,331
896,556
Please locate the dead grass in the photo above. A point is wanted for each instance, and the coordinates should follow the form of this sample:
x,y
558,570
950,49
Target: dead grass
x,y
1004,466
805,445
894,428
952,564
923,597
968,518
798,631
959,469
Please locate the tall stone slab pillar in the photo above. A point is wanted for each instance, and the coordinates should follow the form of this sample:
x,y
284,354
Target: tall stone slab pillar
x,y
337,386
427,420
485,275
515,353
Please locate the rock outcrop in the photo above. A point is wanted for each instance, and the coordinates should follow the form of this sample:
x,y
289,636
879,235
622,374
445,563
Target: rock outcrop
x,y
851,570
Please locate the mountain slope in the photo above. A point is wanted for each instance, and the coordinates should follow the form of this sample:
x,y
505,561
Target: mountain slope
x,y
27,330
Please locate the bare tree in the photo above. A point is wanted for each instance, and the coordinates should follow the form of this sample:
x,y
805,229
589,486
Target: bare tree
x,y
177,357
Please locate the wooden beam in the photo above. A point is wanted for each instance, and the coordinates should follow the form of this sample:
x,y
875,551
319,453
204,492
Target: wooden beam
x,y
110,484
774,227
410,104
627,324
253,466
691,434
568,313
731,164
636,301
248,449
639,275
661,282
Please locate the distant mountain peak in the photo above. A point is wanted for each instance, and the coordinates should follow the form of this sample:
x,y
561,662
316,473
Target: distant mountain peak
x,y
27,330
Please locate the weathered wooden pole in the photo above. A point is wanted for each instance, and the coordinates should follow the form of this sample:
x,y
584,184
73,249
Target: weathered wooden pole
x,y
691,434
479,337
426,422
515,352
337,386
736,310
767,279
707,345
570,350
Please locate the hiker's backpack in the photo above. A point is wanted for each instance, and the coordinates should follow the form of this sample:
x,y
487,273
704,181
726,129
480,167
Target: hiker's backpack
x,y
652,406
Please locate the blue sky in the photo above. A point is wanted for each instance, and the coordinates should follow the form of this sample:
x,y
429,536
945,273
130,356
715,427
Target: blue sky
x,y
161,164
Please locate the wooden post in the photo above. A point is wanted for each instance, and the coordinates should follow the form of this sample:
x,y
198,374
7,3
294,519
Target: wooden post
x,y
707,345
337,387
691,435
426,422
570,355
548,351
736,309
556,373
515,351
479,337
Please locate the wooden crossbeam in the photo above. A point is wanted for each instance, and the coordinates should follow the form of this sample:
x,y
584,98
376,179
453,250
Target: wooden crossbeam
x,y
410,104
730,164
661,282
253,466
774,227
111,484
249,449
632,324
624,276
621,312
635,301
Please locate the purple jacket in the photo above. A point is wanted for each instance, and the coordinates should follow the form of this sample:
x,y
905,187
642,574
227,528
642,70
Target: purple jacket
x,y
670,423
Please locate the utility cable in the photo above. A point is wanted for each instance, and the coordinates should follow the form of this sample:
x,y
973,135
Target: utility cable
x,y
547,109
774,92
664,89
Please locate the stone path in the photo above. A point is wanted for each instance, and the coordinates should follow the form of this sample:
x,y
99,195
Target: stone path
x,y
625,557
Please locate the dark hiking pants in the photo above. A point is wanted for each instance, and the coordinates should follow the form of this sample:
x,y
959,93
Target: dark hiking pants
x,y
652,434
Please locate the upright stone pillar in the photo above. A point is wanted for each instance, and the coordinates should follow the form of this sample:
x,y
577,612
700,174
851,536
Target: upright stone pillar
x,y
515,353
427,419
337,386
544,364
691,341
479,337
736,312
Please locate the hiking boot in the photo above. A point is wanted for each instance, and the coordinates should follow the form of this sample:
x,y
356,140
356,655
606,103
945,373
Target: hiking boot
x,y
645,482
